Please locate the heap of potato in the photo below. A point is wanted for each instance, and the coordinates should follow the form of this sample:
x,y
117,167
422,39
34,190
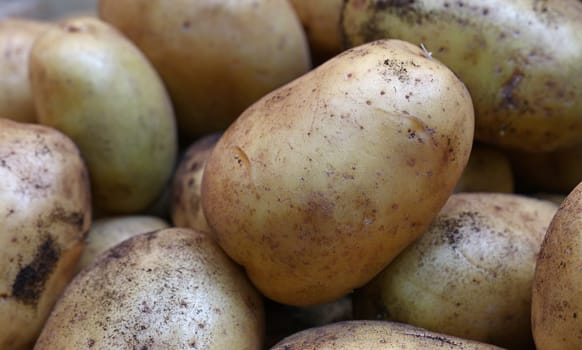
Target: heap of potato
x,y
273,174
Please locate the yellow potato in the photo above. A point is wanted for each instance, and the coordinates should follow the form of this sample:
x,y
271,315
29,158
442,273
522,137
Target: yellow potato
x,y
321,183
168,289
470,274
216,57
93,84
376,335
16,39
557,292
45,213
488,170
520,59
186,209
108,232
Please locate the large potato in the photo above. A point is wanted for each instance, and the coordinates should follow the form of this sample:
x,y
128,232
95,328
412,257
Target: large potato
x,y
216,57
168,289
520,59
16,39
45,213
321,183
557,292
376,335
93,84
470,274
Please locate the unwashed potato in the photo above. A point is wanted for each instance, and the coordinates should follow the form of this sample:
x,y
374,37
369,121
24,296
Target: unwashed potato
x,y
321,21
45,213
557,293
168,289
321,183
16,39
470,275
520,59
556,172
107,232
216,57
92,83
488,170
374,335
186,208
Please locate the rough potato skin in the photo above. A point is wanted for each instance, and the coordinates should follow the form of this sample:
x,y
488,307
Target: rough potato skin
x,y
520,60
45,213
377,335
168,289
557,293
470,274
317,186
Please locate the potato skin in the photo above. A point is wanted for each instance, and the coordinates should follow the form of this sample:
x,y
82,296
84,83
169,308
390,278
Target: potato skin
x,y
45,213
16,39
377,335
318,185
215,57
520,60
168,289
93,84
470,274
557,295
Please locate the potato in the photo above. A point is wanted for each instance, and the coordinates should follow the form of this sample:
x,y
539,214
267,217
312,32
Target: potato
x,y
321,183
488,170
16,38
168,289
107,232
520,60
93,84
216,57
470,274
45,213
186,207
377,335
557,290
556,172
321,21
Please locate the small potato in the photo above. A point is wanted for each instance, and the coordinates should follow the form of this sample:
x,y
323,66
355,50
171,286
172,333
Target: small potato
x,y
92,83
168,289
186,208
374,335
107,232
16,39
557,291
320,184
45,212
470,275
215,57
488,170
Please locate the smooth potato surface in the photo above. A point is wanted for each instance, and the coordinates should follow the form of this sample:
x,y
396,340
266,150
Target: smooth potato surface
x,y
168,289
45,212
317,186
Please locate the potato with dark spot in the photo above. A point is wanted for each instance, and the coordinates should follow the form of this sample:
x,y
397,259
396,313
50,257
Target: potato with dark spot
x,y
92,83
215,57
320,184
470,274
520,59
108,232
16,39
557,291
488,170
45,212
375,335
186,206
169,289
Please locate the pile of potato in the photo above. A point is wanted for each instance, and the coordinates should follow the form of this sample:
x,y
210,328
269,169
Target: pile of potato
x,y
292,174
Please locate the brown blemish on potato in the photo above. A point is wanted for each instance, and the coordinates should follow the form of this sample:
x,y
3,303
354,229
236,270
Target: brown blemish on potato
x,y
508,100
30,280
